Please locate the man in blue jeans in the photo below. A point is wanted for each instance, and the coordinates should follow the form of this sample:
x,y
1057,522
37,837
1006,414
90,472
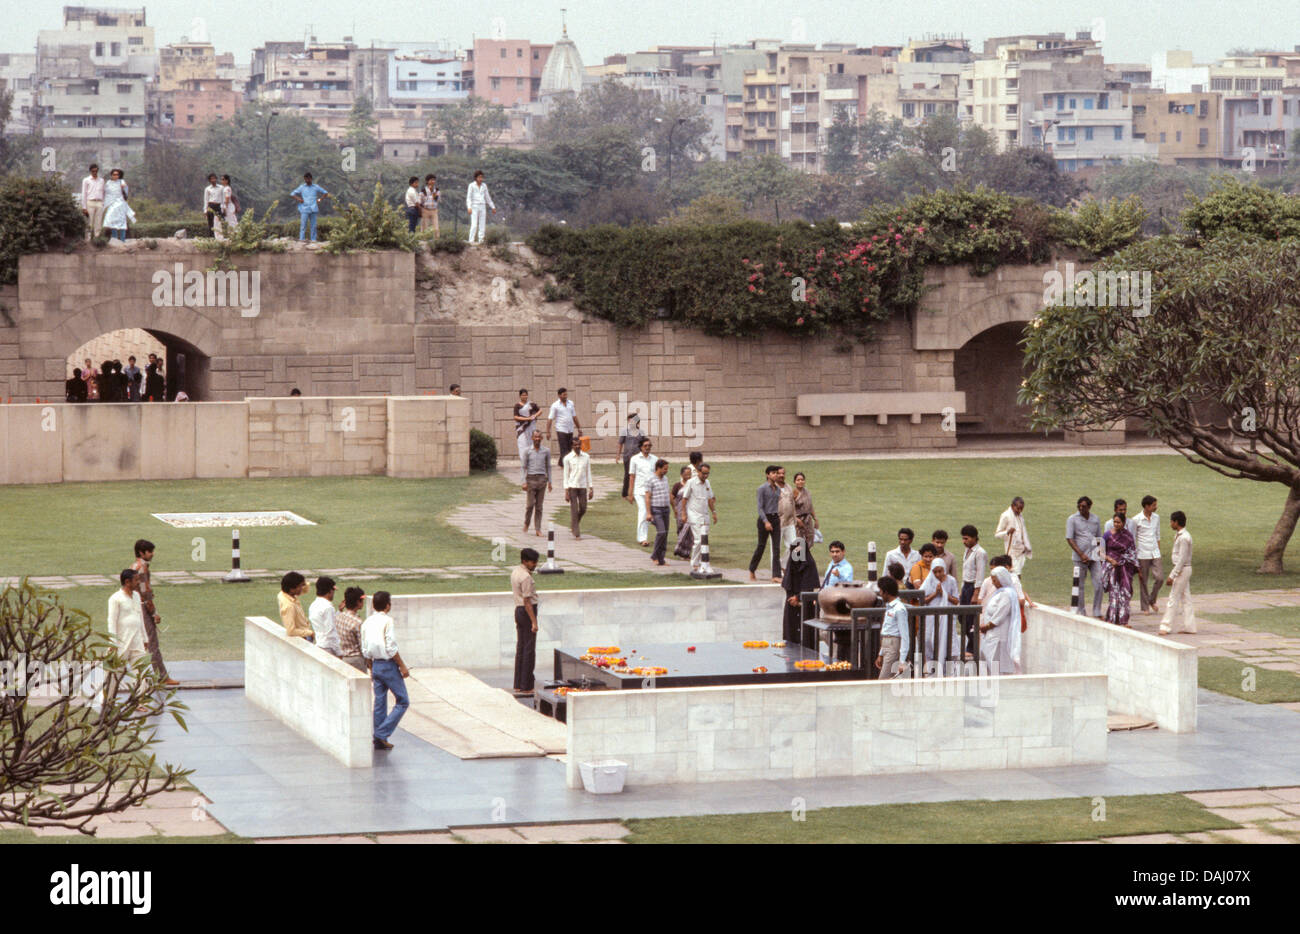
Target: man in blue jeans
x,y
387,670
307,195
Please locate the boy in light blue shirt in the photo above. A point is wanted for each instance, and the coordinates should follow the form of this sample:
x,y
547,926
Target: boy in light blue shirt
x,y
895,632
307,195
839,571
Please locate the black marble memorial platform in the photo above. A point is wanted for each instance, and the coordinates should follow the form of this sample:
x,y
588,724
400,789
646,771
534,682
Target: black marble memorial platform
x,y
712,664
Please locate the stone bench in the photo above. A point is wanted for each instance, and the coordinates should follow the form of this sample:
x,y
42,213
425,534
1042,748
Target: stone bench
x,y
848,405
310,691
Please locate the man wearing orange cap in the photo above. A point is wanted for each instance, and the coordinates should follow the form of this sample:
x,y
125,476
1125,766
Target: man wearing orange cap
x,y
577,482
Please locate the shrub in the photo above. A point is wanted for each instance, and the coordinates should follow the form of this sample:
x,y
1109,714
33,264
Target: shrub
x,y
36,215
447,243
376,226
496,236
1102,227
1248,210
557,293
482,451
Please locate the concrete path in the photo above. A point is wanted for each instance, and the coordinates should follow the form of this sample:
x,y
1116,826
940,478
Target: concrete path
x,y
502,521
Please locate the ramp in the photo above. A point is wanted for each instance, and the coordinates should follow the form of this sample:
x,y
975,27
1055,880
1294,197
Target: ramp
x,y
460,714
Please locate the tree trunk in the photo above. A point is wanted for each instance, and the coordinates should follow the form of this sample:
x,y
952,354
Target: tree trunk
x,y
1276,545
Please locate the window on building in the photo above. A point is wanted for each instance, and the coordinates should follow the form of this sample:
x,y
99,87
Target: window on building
x,y
1268,106
927,109
519,53
496,84
1103,101
99,49
1270,84
1204,136
519,84
1244,84
1119,132
1220,84
1178,136
1162,137
117,49
503,53
1204,107
1060,102
1087,134
189,118
909,109
1060,134
124,89
1087,103
536,55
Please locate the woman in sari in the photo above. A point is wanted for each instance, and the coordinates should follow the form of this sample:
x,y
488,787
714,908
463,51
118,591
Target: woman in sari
x,y
1117,575
940,589
805,517
117,213
1001,616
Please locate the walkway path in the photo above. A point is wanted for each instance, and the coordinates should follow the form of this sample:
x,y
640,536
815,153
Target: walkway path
x,y
502,520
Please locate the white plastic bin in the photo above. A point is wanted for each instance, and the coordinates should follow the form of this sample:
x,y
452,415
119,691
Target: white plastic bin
x,y
604,777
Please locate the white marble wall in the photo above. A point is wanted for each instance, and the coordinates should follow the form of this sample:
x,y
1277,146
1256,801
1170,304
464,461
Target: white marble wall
x,y
310,691
684,735
1148,676
478,630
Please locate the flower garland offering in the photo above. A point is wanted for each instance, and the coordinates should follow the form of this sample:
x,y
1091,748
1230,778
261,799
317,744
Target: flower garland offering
x,y
649,671
811,664
760,670
838,666
757,644
564,692
603,650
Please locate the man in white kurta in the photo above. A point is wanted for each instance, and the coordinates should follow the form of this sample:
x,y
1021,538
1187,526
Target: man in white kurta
x,y
126,619
1011,529
699,509
477,201
1178,608
904,554
641,468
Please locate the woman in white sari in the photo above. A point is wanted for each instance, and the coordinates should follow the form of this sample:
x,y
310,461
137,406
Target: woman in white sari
x,y
1001,617
117,213
940,589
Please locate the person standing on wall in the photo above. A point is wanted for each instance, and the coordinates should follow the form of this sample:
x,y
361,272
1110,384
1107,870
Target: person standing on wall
x,y
563,418
308,195
429,198
212,211
477,201
92,201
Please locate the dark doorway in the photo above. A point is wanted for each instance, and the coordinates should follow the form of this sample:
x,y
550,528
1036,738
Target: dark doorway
x,y
989,368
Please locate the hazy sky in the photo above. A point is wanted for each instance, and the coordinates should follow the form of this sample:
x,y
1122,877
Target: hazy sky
x,y
1132,30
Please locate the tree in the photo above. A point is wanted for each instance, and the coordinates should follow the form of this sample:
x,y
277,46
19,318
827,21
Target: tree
x,y
707,210
879,136
469,126
175,173
1164,190
36,215
1028,172
758,182
1222,386
531,180
841,143
607,157
359,132
67,756
15,150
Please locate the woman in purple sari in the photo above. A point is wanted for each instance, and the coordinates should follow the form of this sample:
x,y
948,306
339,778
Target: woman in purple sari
x,y
1117,576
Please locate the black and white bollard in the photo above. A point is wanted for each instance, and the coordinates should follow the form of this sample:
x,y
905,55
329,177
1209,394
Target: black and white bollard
x,y
871,562
705,570
236,576
1074,590
550,567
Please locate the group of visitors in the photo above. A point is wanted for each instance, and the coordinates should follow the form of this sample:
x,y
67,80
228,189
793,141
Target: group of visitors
x,y
785,512
220,206
113,382
105,203
1130,548
133,616
368,644
422,203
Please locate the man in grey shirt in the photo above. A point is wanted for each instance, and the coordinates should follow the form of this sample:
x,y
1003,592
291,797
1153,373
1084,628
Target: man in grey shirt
x,y
769,524
1082,534
537,480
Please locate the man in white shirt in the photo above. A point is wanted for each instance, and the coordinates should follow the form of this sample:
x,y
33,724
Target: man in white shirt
x,y
577,482
699,508
387,670
414,199
92,201
126,618
1145,527
642,470
477,201
1011,529
563,418
903,554
213,206
321,614
1179,607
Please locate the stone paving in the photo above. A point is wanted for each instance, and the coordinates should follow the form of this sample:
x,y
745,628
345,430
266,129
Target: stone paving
x,y
502,520
1220,637
1268,815
181,813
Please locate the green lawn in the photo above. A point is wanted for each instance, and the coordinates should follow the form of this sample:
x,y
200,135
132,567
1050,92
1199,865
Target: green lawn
x,y
1229,675
858,501
1044,821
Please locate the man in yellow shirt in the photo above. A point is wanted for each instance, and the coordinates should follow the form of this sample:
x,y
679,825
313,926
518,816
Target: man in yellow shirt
x,y
293,585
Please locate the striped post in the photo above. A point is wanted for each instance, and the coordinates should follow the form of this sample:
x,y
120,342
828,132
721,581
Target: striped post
x,y
236,576
871,562
705,571
550,567
1074,589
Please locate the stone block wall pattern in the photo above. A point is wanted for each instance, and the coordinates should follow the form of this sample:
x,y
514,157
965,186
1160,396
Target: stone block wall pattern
x,y
1147,676
796,731
346,326
310,691
478,630
421,437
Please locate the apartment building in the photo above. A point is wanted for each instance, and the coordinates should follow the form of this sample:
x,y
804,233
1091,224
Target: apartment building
x,y
505,71
922,81
18,76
